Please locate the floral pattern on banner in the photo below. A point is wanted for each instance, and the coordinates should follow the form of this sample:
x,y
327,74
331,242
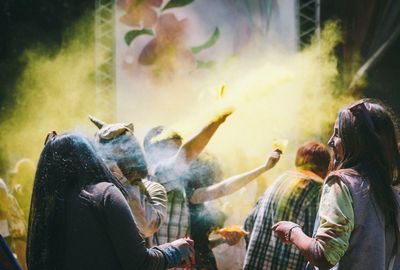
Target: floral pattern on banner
x,y
167,51
139,13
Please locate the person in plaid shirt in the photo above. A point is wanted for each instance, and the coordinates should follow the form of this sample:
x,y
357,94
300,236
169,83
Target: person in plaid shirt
x,y
168,160
293,196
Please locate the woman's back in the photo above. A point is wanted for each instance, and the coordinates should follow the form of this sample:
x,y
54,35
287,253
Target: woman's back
x,y
101,232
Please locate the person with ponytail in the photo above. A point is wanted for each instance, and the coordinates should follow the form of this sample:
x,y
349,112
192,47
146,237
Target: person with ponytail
x,y
358,225
80,219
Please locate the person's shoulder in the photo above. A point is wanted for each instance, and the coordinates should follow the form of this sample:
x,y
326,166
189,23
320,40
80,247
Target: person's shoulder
x,y
152,186
340,172
346,176
97,192
99,188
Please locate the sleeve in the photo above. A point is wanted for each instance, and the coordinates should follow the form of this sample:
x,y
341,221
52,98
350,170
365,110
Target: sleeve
x,y
336,220
128,244
150,212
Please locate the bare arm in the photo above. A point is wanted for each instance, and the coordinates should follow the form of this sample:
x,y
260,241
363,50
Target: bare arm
x,y
291,233
233,183
191,149
336,215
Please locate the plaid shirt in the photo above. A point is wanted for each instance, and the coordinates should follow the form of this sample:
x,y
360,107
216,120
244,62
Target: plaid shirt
x,y
294,196
176,224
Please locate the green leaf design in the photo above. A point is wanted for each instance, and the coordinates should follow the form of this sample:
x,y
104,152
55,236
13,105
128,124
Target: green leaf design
x,y
205,64
131,35
177,3
210,42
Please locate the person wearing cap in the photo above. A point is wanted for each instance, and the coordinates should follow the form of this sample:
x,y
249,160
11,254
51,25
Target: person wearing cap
x,y
122,153
169,158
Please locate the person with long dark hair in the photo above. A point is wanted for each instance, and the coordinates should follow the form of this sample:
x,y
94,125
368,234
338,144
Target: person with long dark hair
x,y
80,218
359,208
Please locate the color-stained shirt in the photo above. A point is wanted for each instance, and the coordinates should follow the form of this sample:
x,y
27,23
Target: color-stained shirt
x,y
176,224
294,196
336,219
353,232
148,202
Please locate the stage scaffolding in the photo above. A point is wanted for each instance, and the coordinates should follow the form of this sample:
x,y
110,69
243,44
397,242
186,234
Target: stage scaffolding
x,y
105,60
309,21
308,26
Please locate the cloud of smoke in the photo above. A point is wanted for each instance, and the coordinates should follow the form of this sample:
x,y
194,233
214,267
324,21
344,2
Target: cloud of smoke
x,y
276,94
56,91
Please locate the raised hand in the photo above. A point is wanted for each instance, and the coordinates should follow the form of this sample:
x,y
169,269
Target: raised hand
x,y
273,158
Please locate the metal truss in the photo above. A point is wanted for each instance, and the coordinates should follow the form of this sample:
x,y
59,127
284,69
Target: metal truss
x,y
105,59
309,21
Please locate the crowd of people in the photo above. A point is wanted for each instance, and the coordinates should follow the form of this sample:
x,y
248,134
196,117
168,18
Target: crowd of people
x,y
109,202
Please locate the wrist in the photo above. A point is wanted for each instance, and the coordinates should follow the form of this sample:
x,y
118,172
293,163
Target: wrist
x,y
291,235
172,254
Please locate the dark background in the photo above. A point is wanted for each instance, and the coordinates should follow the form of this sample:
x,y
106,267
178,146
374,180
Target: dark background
x,y
26,24
366,25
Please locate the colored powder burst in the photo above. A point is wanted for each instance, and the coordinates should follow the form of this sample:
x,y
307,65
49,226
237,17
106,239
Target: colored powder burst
x,y
56,91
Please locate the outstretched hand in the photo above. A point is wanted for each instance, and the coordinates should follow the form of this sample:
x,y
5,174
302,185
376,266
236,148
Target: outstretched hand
x,y
222,117
282,228
186,248
232,238
273,158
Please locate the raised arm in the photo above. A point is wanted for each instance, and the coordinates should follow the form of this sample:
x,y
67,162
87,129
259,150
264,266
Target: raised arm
x,y
192,148
232,183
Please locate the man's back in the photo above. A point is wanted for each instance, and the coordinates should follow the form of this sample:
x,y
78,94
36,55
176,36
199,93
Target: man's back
x,y
293,196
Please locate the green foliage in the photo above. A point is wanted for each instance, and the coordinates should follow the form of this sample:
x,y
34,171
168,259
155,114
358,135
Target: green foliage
x,y
131,35
204,64
177,3
210,42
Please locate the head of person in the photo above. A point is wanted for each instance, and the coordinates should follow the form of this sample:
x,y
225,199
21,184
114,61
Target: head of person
x,y
161,143
22,173
366,133
313,156
117,144
68,163
204,171
365,138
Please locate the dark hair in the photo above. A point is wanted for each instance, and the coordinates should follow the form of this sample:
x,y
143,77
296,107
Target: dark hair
x,y
369,135
204,171
157,149
313,156
154,132
67,162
